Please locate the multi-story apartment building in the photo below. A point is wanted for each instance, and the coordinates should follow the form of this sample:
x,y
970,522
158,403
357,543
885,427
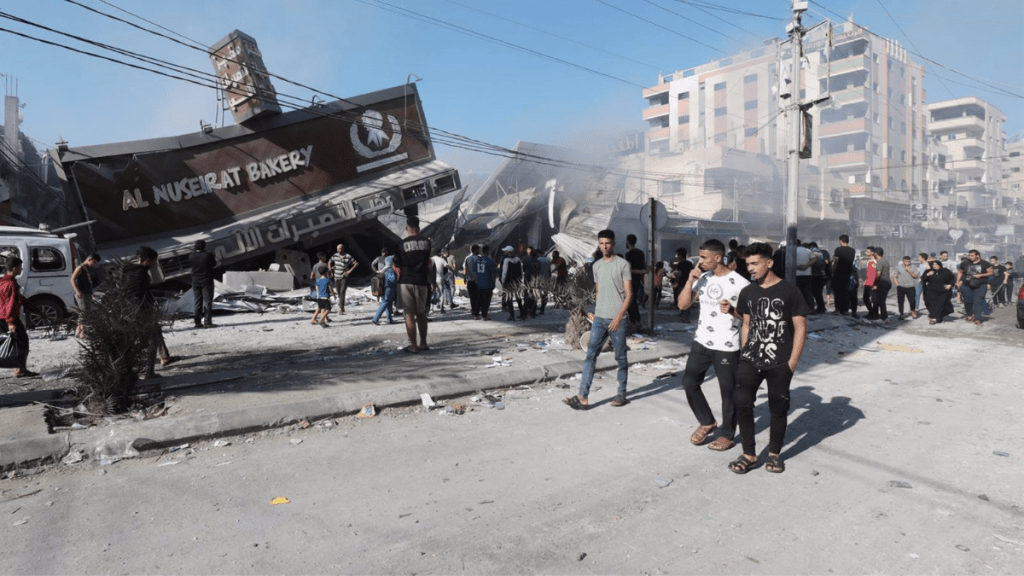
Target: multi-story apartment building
x,y
1013,173
871,164
971,130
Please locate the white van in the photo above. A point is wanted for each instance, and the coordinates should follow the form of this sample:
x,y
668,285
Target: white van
x,y
45,280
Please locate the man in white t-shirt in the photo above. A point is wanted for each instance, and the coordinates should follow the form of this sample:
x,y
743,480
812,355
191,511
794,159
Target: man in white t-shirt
x,y
716,342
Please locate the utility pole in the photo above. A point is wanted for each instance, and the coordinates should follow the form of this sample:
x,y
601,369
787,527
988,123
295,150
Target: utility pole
x,y
796,32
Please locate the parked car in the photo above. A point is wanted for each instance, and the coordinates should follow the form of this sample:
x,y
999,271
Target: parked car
x,y
45,280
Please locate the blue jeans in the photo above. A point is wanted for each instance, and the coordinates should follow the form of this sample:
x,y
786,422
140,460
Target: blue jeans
x,y
917,296
386,304
599,334
974,300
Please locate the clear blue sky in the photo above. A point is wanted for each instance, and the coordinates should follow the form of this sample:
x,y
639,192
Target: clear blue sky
x,y
472,87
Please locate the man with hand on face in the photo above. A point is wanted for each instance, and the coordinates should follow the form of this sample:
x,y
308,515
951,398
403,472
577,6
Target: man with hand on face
x,y
716,342
772,339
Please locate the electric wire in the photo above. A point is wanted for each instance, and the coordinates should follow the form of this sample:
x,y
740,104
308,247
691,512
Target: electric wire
x,y
653,23
688,19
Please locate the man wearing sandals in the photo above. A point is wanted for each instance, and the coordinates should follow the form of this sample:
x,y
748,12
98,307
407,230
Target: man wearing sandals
x,y
613,292
972,279
773,335
716,342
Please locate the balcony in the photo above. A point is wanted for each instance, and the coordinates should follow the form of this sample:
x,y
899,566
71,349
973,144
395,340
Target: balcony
x,y
861,62
957,125
859,189
969,165
843,127
653,112
851,95
656,90
655,134
855,158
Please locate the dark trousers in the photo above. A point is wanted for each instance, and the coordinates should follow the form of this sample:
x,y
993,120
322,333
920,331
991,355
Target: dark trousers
x,y
202,306
748,380
805,284
910,294
508,300
634,307
484,296
725,364
474,297
21,337
869,301
818,287
881,293
340,286
841,290
999,294
974,300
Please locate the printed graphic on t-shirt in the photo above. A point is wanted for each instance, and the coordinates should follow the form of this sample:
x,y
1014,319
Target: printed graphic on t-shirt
x,y
715,329
770,334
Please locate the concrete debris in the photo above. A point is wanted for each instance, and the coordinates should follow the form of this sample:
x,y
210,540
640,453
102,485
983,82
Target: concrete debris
x,y
221,443
899,484
73,457
295,441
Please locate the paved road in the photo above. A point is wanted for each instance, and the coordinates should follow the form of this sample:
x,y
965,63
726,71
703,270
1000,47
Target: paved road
x,y
534,487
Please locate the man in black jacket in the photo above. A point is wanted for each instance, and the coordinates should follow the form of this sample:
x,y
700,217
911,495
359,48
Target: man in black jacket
x,y
203,264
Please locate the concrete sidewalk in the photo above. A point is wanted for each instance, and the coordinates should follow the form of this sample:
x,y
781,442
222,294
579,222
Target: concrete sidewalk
x,y
268,388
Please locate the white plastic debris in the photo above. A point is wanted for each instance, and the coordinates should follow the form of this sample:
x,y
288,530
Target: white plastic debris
x,y
427,400
221,443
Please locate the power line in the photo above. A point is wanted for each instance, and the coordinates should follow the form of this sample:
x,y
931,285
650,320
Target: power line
x,y
711,6
688,19
651,22
914,46
380,4
552,34
717,17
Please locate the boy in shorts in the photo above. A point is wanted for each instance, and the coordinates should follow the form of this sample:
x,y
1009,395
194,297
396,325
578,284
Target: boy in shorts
x,y
324,290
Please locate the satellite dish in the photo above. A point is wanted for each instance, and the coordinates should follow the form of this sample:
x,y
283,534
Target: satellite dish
x,y
956,234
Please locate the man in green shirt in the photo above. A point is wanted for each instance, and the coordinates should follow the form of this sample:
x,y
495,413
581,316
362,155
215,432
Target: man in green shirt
x,y
613,291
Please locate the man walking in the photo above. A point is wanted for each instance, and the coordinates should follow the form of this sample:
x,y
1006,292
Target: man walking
x,y
637,269
905,277
773,335
512,284
842,269
416,273
343,265
972,280
883,283
486,271
996,283
469,273
613,291
203,264
715,344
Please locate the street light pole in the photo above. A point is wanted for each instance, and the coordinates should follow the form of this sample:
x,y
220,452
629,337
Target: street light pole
x,y
795,30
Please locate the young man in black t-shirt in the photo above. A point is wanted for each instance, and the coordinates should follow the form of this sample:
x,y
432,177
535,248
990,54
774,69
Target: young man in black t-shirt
x,y
416,276
772,339
972,279
637,269
842,269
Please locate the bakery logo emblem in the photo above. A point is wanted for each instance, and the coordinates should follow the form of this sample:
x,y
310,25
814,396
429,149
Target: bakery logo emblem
x,y
373,137
377,141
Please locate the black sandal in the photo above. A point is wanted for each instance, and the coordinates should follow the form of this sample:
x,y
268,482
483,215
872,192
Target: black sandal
x,y
774,465
742,464
619,400
575,403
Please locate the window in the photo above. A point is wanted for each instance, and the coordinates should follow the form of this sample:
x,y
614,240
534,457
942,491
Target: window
x,y
750,105
720,137
47,260
750,132
684,119
903,128
749,79
684,95
8,251
720,111
720,86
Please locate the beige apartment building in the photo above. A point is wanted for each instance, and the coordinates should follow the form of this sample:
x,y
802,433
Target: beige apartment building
x,y
1013,173
971,130
716,138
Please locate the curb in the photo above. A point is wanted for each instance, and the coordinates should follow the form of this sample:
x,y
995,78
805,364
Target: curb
x,y
168,432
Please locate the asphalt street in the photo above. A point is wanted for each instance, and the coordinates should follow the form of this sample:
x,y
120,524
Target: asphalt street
x,y
904,455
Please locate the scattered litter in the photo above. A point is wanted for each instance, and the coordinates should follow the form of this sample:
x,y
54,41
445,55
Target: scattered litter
x,y
250,440
221,443
577,376
662,482
73,457
1003,454
563,385
176,448
581,557
279,500
428,402
101,472
113,447
223,464
815,336
488,352
814,472
962,547
912,555
499,405
169,463
498,361
295,441
983,497
899,484
454,409
22,521
303,424
368,411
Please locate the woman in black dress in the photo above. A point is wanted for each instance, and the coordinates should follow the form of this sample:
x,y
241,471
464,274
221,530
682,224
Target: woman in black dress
x,y
938,289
